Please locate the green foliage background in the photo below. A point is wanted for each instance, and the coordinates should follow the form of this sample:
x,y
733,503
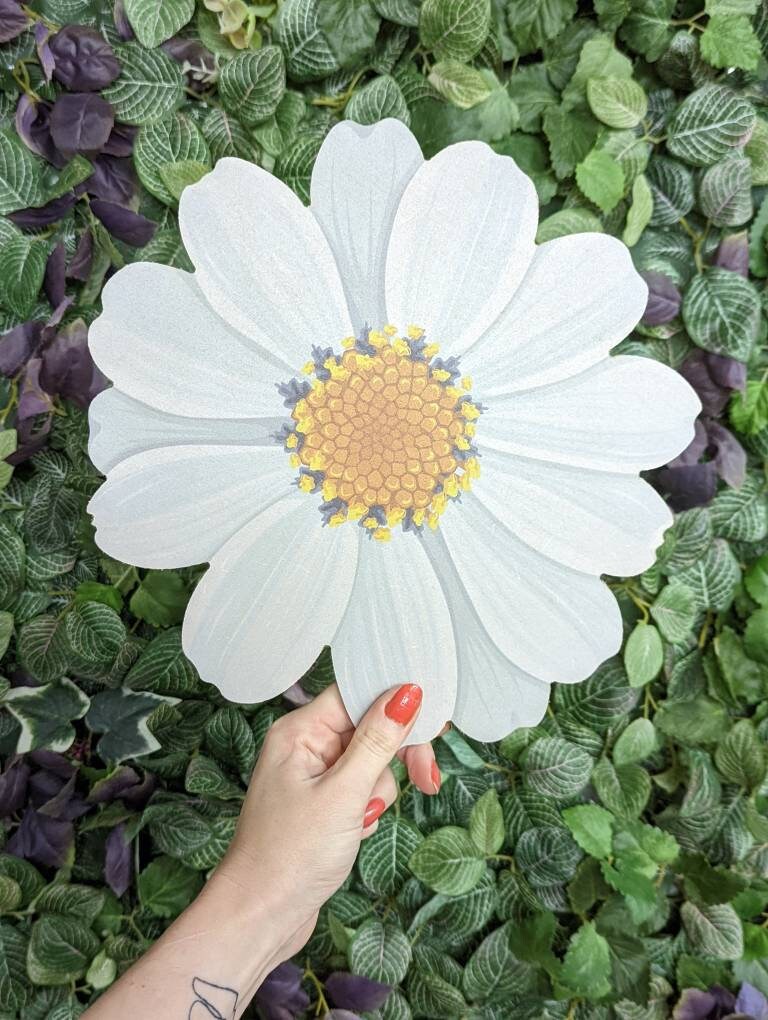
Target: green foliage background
x,y
593,866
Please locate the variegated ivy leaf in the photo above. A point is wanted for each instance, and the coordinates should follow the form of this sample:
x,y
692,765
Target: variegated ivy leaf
x,y
708,124
120,716
46,713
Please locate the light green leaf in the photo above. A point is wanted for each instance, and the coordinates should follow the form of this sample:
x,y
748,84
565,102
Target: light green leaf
x,y
756,150
617,102
714,930
587,963
459,83
741,514
448,861
486,824
725,192
351,27
567,221
46,713
636,743
624,789
672,188
640,211
741,757
252,84
675,612
601,179
149,88
547,855
454,29
592,828
154,21
643,654
730,41
708,124
175,139
380,952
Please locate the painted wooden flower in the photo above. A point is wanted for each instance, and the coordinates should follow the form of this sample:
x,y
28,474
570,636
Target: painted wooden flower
x,y
391,424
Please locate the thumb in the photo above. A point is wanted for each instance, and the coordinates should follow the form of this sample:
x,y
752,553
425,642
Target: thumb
x,y
378,737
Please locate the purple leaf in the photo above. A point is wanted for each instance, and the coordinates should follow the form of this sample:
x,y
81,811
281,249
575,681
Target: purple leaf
x,y
137,796
694,1004
124,224
689,485
33,399
122,24
697,371
81,122
80,265
195,59
281,996
33,126
41,839
730,458
118,868
113,179
296,695
727,372
68,370
13,21
85,62
54,762
17,345
31,437
733,253
44,215
54,283
359,994
696,449
120,141
664,299
105,790
752,1002
13,787
43,48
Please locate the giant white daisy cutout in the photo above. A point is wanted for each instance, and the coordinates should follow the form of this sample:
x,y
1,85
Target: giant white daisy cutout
x,y
391,424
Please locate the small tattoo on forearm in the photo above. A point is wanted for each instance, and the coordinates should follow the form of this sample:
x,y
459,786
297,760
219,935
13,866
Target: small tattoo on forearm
x,y
211,1000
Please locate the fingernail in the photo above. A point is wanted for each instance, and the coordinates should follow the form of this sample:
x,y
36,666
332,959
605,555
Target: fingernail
x,y
404,704
374,810
436,777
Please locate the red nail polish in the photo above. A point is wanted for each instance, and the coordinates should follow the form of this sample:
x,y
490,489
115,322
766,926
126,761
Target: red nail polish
x,y
375,809
435,776
404,704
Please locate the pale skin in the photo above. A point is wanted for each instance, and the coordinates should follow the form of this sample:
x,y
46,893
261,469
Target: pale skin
x,y
297,838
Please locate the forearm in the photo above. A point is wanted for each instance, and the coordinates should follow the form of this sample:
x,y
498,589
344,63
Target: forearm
x,y
218,951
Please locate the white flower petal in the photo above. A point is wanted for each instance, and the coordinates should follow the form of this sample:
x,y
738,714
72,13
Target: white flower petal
x,y
262,260
121,427
177,505
160,342
358,179
580,297
462,240
397,629
551,621
271,599
593,521
624,414
494,696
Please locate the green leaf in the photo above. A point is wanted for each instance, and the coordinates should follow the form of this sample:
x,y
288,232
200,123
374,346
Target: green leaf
x,y
94,632
161,598
252,84
351,27
206,778
756,150
556,768
698,721
82,901
725,192
380,952
547,855
730,41
624,789
601,179
533,94
672,189
448,861
708,124
121,717
60,950
647,28
163,668
308,55
21,175
149,88
154,21
721,311
749,410
592,828
14,983
459,83
230,739
636,743
177,176
166,887
741,514
454,29
486,824
376,101
713,930
45,714
534,22
640,211
384,856
741,757
756,580
22,265
643,654
175,139
675,612
587,963
571,135
617,102
493,974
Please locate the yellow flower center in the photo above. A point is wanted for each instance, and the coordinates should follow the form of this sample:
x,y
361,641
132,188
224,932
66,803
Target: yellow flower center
x,y
382,431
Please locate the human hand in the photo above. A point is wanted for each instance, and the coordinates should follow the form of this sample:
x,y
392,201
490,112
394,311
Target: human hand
x,y
318,788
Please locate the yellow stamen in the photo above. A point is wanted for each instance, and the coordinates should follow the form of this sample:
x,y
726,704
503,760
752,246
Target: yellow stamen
x,y
382,534
306,483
